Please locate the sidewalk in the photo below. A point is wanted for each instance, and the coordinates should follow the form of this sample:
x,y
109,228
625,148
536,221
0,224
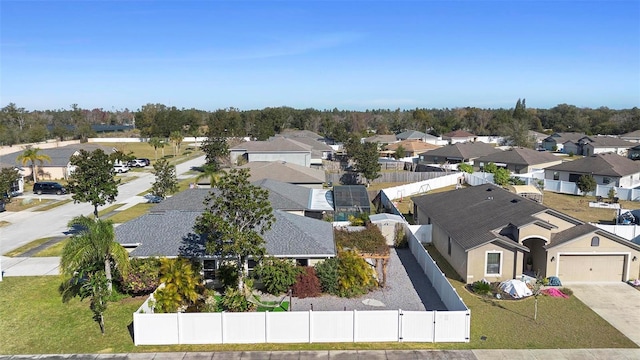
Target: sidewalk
x,y
29,266
560,354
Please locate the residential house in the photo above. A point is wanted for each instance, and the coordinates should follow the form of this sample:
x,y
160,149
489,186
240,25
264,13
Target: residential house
x,y
285,172
459,136
537,138
555,141
18,186
418,135
633,136
591,145
298,200
607,169
457,153
319,150
167,231
277,149
60,165
486,232
411,147
634,153
381,140
519,160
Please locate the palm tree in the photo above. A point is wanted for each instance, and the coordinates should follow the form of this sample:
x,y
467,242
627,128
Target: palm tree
x,y
208,172
156,142
31,155
176,138
92,247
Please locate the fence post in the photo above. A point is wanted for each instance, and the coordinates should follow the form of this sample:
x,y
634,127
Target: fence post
x,y
310,325
400,315
355,322
179,327
435,315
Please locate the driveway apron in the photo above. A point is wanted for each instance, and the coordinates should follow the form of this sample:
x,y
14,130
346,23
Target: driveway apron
x,y
617,303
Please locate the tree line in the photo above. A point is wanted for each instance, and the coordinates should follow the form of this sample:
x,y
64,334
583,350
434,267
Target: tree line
x,y
18,125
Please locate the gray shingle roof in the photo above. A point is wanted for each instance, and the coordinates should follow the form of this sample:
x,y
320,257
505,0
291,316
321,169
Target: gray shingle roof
x,y
279,144
606,141
562,137
284,171
412,134
469,215
60,156
519,156
468,150
382,139
284,196
607,164
171,234
168,228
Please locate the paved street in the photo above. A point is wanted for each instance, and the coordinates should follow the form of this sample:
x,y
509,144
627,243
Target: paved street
x,y
27,226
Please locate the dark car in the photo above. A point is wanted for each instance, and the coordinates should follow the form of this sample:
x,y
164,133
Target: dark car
x,y
48,187
146,161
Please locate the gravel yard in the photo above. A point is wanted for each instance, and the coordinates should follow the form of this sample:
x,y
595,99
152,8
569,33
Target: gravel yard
x,y
407,289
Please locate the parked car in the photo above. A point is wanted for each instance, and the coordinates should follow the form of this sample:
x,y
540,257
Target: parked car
x,y
120,168
146,161
48,187
136,163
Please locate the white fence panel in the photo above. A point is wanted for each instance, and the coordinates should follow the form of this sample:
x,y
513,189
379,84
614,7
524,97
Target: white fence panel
x,y
243,328
447,293
288,327
629,232
417,326
452,326
398,192
200,328
332,326
374,326
155,329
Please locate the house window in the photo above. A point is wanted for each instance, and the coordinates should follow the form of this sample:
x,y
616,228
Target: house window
x,y
494,263
606,180
449,246
556,175
429,221
435,159
595,241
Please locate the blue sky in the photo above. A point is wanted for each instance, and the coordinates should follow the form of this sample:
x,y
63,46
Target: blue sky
x,y
323,54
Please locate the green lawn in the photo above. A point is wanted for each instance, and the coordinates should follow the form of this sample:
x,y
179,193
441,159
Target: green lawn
x,y
26,247
54,250
131,213
69,328
561,323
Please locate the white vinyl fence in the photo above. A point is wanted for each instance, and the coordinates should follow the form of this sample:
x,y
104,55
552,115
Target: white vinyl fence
x,y
629,232
301,327
566,187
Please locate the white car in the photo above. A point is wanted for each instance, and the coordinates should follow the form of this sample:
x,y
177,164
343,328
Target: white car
x,y
120,168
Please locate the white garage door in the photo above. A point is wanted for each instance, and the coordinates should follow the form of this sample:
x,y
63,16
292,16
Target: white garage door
x,y
591,268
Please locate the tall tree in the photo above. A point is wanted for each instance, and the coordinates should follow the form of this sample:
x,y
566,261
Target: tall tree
x,y
237,216
586,183
33,155
215,149
8,177
93,247
166,179
93,179
157,143
365,157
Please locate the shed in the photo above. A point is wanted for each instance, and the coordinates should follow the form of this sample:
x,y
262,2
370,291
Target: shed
x,y
350,200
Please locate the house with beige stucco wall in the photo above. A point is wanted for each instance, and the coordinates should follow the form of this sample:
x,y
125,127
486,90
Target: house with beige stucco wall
x,y
486,232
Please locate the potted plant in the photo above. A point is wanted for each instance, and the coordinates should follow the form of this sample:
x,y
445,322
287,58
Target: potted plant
x,y
529,263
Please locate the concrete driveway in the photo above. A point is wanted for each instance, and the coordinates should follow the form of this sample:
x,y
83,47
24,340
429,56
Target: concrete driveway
x,y
617,303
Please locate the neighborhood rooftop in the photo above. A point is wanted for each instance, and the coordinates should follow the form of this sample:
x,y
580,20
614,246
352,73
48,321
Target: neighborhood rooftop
x,y
606,164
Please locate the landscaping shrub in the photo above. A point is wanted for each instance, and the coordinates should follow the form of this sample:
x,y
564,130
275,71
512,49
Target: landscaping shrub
x,y
182,285
355,275
143,277
307,284
400,237
234,301
481,288
228,275
277,275
327,273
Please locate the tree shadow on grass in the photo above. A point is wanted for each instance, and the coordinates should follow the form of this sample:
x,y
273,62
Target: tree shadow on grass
x,y
131,332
